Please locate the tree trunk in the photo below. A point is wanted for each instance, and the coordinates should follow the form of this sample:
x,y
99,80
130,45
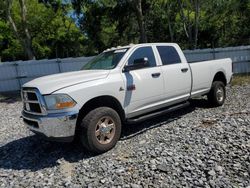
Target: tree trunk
x,y
27,38
197,10
169,24
140,20
190,30
12,23
184,19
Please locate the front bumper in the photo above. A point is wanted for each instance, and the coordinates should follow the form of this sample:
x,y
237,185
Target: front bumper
x,y
58,127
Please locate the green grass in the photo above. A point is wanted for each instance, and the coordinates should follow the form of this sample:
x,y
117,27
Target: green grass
x,y
241,79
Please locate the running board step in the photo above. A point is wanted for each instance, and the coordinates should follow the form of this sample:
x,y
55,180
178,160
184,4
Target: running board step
x,y
157,113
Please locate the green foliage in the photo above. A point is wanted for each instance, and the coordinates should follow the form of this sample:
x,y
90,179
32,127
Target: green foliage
x,y
220,23
101,24
53,32
10,47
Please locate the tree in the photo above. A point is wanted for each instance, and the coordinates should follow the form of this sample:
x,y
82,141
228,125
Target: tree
x,y
189,12
137,5
51,30
225,23
197,11
23,33
107,8
162,13
10,47
59,28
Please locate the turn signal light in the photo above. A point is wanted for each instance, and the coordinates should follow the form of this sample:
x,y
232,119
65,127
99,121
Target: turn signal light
x,y
63,105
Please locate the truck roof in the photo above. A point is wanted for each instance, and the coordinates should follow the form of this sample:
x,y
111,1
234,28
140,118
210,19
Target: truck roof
x,y
142,44
119,47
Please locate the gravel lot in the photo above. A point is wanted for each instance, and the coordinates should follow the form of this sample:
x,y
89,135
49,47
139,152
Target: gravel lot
x,y
194,147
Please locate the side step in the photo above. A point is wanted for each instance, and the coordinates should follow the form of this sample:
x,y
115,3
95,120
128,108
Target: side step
x,y
157,113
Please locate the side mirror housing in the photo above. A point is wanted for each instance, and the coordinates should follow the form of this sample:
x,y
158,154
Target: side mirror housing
x,y
137,64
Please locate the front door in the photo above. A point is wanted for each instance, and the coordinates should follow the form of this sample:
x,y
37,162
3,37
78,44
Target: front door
x,y
144,87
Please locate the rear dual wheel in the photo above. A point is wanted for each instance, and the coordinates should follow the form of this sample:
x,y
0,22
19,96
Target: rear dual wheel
x,y
100,129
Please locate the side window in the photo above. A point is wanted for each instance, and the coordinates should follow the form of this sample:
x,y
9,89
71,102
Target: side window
x,y
168,55
141,53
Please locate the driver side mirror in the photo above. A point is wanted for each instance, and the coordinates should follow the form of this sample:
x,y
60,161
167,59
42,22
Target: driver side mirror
x,y
137,64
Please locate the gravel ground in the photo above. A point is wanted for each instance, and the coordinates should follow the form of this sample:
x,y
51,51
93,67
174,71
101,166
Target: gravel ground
x,y
194,147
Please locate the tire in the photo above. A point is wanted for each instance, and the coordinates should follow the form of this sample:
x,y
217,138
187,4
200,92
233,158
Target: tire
x,y
217,94
100,130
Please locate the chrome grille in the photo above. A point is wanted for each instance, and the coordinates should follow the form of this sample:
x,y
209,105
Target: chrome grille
x,y
33,102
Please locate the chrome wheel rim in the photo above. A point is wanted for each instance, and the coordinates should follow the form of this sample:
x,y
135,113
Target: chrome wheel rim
x,y
220,94
105,130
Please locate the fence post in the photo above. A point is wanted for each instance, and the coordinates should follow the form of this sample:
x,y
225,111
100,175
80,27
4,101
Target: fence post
x,y
59,66
17,75
213,53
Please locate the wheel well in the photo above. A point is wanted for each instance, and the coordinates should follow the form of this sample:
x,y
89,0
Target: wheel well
x,y
101,101
219,76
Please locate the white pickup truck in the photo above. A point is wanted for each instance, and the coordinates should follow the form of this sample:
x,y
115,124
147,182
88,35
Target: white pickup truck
x,y
120,85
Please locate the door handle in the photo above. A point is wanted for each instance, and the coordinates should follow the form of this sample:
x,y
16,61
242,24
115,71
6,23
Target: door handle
x,y
184,70
156,75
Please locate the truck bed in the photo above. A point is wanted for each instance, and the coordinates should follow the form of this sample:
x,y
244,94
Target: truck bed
x,y
204,71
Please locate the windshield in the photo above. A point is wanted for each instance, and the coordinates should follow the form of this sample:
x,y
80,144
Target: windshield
x,y
106,60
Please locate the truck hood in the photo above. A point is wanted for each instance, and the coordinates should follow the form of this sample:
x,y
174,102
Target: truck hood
x,y
52,83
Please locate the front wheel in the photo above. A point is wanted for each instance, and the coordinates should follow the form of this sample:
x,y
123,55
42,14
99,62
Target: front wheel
x,y
217,94
100,129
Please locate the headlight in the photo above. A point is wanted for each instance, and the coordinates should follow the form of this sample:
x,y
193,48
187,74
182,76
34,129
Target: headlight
x,y
59,101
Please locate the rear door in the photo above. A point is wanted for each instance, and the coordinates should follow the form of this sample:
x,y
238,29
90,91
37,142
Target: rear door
x,y
144,87
176,74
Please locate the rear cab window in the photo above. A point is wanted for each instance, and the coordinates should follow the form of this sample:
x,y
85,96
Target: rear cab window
x,y
168,55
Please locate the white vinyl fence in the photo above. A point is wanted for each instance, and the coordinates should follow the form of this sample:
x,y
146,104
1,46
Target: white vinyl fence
x,y
14,74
